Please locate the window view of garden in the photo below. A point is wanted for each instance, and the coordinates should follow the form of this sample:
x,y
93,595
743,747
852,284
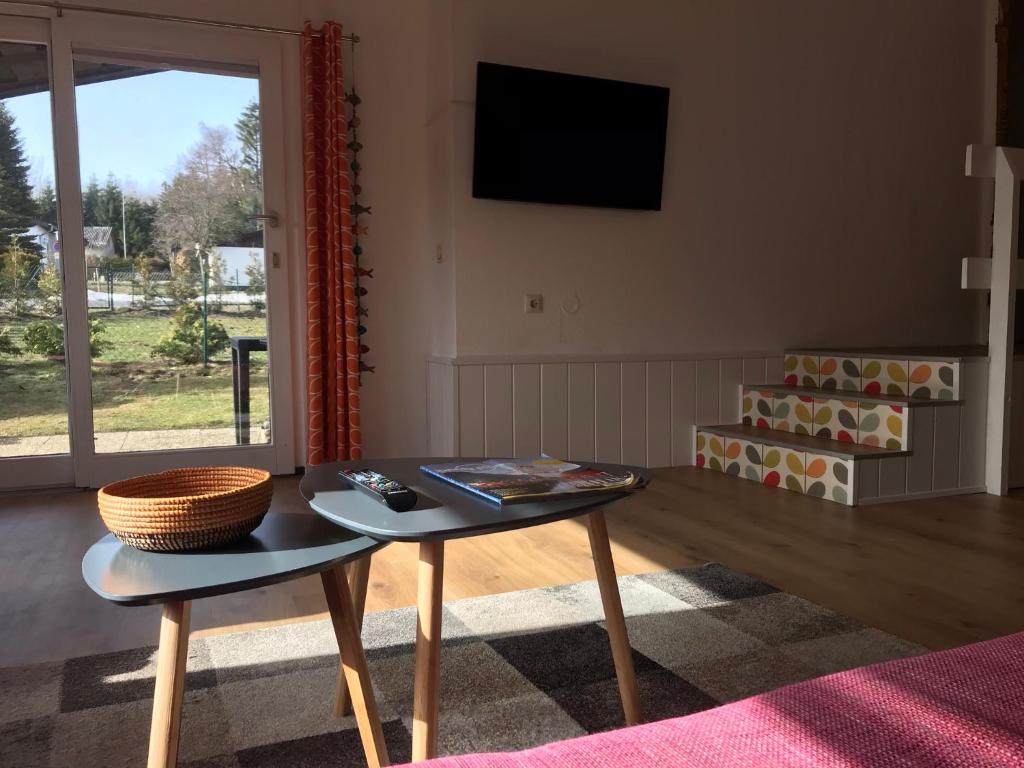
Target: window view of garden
x,y
174,263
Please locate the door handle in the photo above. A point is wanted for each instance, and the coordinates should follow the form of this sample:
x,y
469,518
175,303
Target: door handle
x,y
270,218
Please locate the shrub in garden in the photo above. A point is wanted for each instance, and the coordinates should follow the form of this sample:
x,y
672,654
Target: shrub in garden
x,y
46,338
18,265
257,287
7,344
183,342
49,287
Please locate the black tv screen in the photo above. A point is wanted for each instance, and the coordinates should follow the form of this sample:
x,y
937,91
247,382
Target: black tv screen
x,y
549,137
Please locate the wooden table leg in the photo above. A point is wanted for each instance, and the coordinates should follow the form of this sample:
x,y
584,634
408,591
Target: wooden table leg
x,y
170,685
430,584
358,580
622,654
353,661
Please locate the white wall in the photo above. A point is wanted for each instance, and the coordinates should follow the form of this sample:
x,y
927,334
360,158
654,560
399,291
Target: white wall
x,y
814,190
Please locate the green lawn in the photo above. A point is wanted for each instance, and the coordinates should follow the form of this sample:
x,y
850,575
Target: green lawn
x,y
131,390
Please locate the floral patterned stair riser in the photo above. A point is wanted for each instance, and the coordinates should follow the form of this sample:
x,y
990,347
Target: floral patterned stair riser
x,y
840,373
825,477
792,413
757,408
836,419
884,426
743,458
930,379
848,421
801,370
829,477
710,453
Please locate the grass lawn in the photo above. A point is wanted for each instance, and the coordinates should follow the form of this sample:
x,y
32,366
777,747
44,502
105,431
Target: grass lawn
x,y
131,390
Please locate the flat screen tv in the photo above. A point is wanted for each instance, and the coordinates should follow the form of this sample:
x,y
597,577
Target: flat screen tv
x,y
549,137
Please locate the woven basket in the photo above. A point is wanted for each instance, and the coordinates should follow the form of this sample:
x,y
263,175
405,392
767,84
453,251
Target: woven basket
x,y
181,509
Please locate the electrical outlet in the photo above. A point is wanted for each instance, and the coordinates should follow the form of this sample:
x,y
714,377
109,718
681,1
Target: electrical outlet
x,y
533,303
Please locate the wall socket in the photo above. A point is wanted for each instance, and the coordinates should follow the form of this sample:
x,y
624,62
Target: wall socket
x,y
533,303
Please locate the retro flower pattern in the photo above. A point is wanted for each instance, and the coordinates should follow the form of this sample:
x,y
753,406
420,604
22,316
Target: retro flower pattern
x,y
884,426
836,419
757,408
743,459
829,477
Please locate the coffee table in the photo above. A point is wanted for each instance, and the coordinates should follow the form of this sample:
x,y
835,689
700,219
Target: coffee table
x,y
284,547
446,512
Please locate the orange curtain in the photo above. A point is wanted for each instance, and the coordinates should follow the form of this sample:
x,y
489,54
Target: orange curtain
x,y
331,303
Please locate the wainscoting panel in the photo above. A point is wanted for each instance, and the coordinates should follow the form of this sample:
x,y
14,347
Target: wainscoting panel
x,y
554,410
582,411
498,434
643,411
633,411
526,410
974,392
608,412
659,414
684,411
471,411
921,462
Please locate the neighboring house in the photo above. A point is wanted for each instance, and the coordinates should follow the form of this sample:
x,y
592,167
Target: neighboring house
x,y
236,260
99,245
46,238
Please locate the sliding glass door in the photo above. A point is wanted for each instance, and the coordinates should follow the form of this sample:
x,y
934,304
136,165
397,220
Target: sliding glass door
x,y
146,330
35,447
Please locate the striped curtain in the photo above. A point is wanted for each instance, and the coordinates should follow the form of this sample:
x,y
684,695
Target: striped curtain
x,y
331,310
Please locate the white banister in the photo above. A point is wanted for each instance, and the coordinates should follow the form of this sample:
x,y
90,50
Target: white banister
x,y
1006,166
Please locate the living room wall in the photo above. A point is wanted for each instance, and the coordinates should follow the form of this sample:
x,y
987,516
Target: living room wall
x,y
814,188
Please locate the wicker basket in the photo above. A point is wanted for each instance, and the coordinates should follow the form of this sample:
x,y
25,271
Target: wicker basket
x,y
181,509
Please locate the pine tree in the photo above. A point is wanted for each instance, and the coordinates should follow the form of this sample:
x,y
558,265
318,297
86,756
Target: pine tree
x,y
91,203
17,208
46,205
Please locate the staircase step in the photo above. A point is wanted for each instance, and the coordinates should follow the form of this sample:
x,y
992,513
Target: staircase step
x,y
874,420
813,466
817,393
809,443
901,374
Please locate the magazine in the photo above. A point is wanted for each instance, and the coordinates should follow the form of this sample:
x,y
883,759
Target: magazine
x,y
507,481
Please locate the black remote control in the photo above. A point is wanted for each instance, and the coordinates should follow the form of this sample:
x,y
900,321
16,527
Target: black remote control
x,y
393,494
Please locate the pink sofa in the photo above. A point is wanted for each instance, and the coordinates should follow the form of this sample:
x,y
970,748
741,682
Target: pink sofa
x,y
963,707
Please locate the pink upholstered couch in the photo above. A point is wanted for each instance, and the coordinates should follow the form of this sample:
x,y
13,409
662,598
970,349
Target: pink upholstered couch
x,y
963,707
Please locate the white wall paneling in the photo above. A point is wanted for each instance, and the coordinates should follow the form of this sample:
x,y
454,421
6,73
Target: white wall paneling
x,y
554,409
633,411
643,412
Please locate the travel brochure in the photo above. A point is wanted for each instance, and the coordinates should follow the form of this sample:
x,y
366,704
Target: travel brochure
x,y
507,481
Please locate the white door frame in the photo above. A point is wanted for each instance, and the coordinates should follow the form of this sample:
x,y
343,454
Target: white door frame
x,y
176,46
56,469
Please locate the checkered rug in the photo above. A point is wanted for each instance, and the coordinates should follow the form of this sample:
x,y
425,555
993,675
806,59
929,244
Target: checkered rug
x,y
518,669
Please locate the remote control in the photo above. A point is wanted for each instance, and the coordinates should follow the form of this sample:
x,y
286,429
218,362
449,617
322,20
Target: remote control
x,y
393,494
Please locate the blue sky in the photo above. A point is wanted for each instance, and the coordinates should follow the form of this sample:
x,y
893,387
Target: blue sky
x,y
136,128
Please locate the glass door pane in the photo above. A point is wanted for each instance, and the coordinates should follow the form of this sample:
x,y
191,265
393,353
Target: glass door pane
x,y
171,179
33,375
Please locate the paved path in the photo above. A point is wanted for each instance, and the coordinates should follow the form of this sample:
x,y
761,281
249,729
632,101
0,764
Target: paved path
x,y
124,442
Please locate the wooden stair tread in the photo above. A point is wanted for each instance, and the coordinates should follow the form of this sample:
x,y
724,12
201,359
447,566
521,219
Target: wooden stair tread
x,y
821,445
847,394
942,354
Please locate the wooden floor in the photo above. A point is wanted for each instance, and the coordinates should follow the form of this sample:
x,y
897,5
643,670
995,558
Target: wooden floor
x,y
940,572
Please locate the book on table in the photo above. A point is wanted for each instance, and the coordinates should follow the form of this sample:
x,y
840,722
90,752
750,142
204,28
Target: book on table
x,y
506,481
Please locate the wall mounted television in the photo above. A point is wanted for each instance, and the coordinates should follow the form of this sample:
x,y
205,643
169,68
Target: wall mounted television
x,y
549,137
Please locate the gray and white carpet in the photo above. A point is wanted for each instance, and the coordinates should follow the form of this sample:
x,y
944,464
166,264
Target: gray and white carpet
x,y
518,669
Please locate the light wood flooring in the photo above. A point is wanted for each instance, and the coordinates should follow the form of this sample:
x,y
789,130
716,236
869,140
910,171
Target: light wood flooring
x,y
940,572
